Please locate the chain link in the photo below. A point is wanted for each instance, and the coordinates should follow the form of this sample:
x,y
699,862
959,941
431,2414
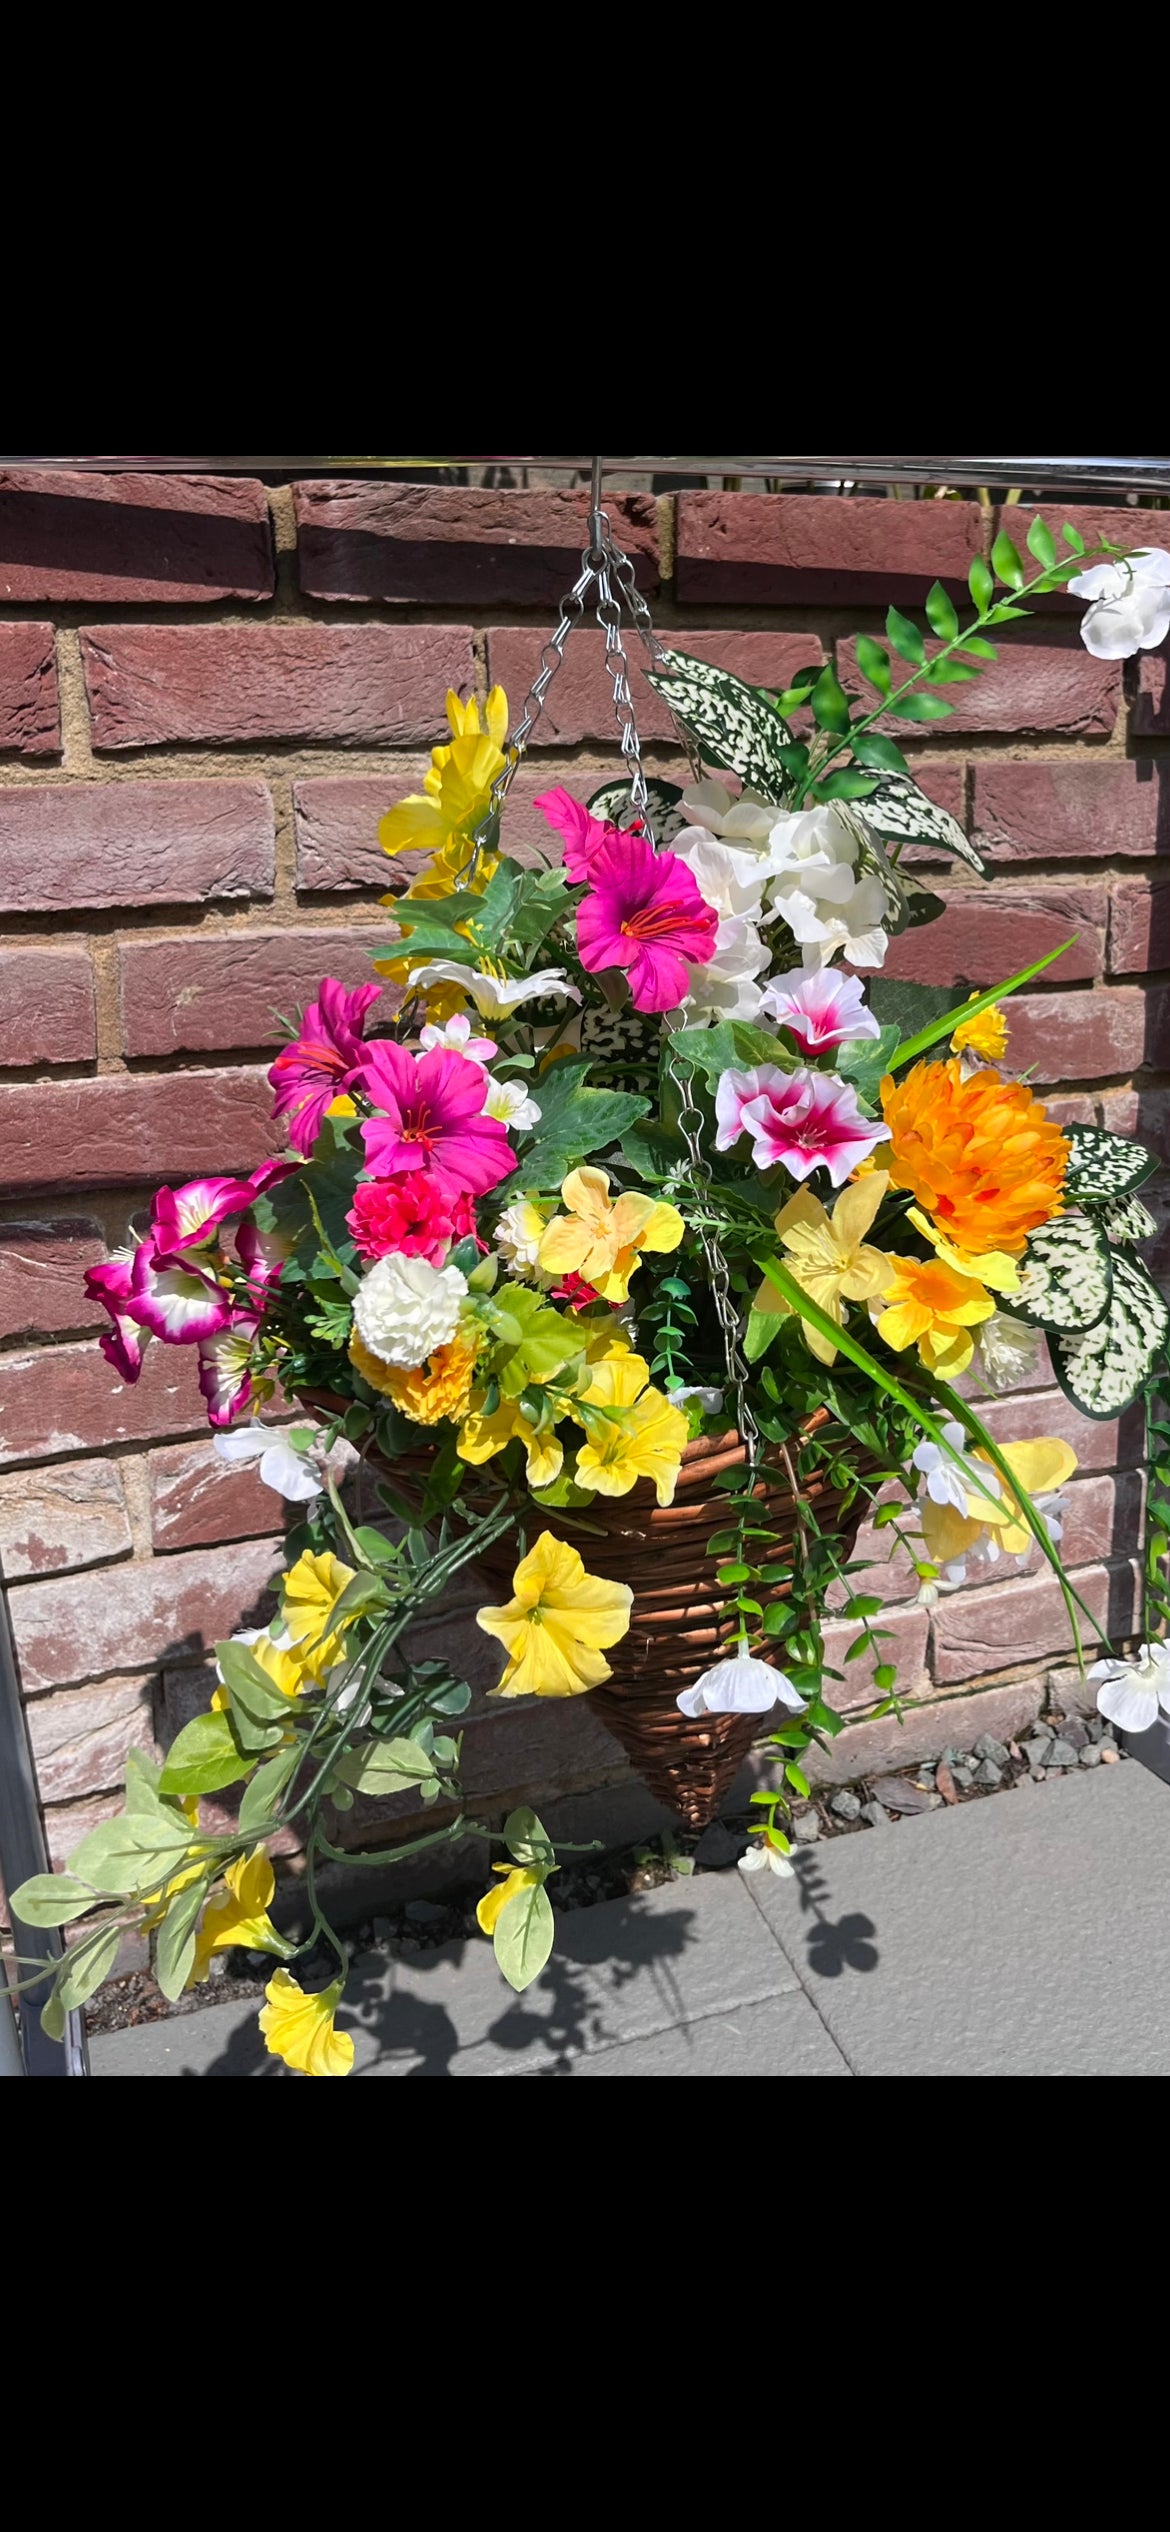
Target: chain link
x,y
690,1122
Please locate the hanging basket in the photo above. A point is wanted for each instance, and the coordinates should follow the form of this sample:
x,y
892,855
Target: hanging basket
x,y
680,1621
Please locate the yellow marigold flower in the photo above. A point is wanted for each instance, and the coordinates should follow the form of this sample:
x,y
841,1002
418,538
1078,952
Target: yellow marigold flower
x,y
439,1388
300,2029
930,1306
602,1241
494,1902
633,1431
981,1156
310,1593
986,1035
483,1435
1039,1466
558,1625
828,1258
238,1916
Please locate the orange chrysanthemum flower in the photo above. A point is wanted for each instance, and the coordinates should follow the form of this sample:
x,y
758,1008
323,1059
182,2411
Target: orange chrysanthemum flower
x,y
439,1388
981,1156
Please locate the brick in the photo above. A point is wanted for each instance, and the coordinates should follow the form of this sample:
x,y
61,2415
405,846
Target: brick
x,y
889,1748
1151,713
364,685
1072,810
1120,1444
46,1007
904,1644
196,1499
983,938
337,818
225,989
67,1398
1139,928
124,1128
41,1269
580,704
1077,1036
1052,687
1130,528
136,1615
447,546
80,1740
53,1519
134,844
1104,1518
133,539
1026,1621
768,549
1144,1114
30,710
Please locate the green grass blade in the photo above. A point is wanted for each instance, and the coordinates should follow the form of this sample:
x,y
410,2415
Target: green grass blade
x,y
928,1037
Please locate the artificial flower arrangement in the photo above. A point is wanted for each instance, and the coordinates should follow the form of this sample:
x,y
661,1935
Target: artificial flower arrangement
x,y
619,1163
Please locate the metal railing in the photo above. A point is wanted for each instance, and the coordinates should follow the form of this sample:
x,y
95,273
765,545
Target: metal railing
x,y
1134,475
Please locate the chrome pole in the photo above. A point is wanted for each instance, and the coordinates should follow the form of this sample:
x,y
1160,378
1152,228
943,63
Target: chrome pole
x,y
1137,475
23,1853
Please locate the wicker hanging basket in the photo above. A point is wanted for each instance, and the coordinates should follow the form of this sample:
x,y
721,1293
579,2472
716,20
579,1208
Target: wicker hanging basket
x,y
680,1621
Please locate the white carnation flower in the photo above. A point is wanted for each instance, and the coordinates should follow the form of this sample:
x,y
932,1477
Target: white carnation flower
x,y
1007,1351
405,1309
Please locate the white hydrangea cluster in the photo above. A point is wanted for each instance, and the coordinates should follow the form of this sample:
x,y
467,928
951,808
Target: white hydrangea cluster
x,y
405,1309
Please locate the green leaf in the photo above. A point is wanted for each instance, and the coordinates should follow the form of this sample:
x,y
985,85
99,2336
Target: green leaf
x,y
574,1122
874,663
175,1941
905,1007
327,1181
732,1045
922,708
361,1598
940,614
845,784
980,649
867,1062
906,638
1066,1276
386,1767
734,726
830,703
1006,563
885,1676
797,1779
532,1341
1042,544
86,1967
205,1757
523,1937
1072,537
51,1899
53,2018
127,1857
527,1839
1104,1166
258,1808
883,755
762,1330
259,1712
981,584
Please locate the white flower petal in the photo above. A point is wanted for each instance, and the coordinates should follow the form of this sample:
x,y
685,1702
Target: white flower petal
x,y
289,1474
1128,1703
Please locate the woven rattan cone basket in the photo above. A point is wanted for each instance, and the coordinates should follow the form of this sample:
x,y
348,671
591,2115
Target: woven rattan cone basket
x,y
678,1621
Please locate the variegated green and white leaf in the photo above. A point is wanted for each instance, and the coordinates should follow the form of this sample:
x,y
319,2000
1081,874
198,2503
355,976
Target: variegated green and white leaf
x,y
732,726
901,813
1104,1370
1066,1275
1104,1166
612,805
1125,1222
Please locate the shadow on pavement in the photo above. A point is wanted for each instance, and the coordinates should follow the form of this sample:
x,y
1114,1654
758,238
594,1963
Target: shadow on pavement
x,y
832,1946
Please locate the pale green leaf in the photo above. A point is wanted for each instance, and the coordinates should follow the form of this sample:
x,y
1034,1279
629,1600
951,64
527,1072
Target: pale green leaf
x,y
523,1936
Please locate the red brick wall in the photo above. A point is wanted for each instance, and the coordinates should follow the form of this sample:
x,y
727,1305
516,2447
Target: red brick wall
x,y
209,691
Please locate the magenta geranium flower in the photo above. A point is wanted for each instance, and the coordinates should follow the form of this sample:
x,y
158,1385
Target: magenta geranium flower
x,y
645,913
417,1216
174,1299
801,1121
309,1075
226,1365
188,1217
583,836
430,1119
125,1343
820,1008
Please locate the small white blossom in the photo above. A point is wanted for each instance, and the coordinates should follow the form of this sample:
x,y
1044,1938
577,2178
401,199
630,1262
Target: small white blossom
x,y
508,1102
405,1309
1133,1693
762,1858
1129,608
740,1685
455,1038
944,1482
1007,1351
710,1400
746,822
519,1233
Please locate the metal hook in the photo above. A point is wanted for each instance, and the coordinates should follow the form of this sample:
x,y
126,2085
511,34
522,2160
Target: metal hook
x,y
596,513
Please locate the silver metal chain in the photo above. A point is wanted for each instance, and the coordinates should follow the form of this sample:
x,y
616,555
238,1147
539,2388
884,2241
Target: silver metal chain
x,y
691,1122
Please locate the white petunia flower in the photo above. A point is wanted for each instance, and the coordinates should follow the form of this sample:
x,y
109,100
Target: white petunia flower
x,y
726,988
519,1233
813,850
1007,1350
823,926
1133,1693
508,1102
762,1858
289,1473
497,997
944,1482
740,1685
710,1400
731,881
1129,607
405,1309
455,1038
746,822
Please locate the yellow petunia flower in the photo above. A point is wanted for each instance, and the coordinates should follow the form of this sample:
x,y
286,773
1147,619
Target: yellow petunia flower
x,y
238,1916
827,1257
602,1241
558,1625
990,1266
986,1035
483,1435
932,1307
454,801
1040,1467
299,2028
494,1902
633,1431
310,1593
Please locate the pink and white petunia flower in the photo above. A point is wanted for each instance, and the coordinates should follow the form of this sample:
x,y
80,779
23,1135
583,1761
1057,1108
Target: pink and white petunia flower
x,y
189,1217
225,1370
820,1008
175,1300
262,1256
112,1285
797,1121
456,1039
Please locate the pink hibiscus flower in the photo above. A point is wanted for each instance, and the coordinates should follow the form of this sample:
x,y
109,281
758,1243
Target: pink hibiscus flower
x,y
820,1008
308,1076
803,1121
430,1119
417,1216
645,913
125,1343
188,1217
584,836
226,1365
174,1299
